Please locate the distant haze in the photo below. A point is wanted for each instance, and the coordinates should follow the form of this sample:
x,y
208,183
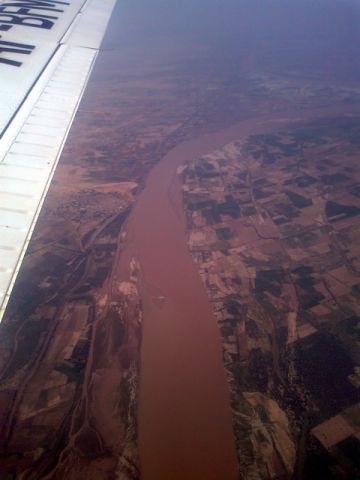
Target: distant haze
x,y
301,34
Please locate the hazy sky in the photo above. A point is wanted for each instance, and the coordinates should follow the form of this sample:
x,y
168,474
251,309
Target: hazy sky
x,y
309,32
275,17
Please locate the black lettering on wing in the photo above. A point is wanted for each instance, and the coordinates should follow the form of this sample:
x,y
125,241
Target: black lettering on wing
x,y
26,21
16,49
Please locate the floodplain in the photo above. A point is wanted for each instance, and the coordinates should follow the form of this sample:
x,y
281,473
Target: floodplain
x,y
254,132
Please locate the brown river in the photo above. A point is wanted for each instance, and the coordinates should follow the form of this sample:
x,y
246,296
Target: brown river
x,y
185,424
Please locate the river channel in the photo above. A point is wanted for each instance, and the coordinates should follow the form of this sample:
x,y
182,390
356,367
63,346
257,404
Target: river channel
x,y
185,424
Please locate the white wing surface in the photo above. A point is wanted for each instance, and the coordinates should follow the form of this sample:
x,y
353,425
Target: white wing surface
x,y
47,51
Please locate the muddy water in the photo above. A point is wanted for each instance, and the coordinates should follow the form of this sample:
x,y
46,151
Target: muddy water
x,y
185,425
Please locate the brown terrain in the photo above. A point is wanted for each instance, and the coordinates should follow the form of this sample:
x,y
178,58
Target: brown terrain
x,y
273,222
205,208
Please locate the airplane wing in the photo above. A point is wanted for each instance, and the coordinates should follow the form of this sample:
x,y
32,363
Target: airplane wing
x,y
47,51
